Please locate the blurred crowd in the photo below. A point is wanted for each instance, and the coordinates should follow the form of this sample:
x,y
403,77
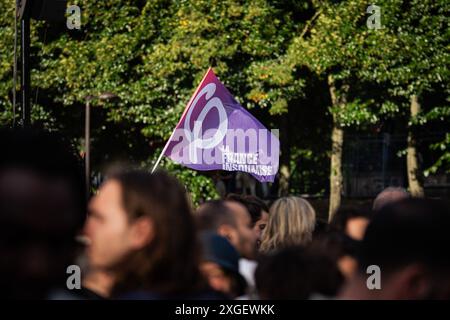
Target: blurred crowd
x,y
140,237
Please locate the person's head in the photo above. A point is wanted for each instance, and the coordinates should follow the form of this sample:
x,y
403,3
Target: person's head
x,y
389,195
259,212
296,273
291,222
141,229
340,248
408,241
350,221
42,208
231,220
220,265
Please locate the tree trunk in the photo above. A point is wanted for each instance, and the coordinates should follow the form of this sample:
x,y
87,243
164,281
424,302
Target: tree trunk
x,y
337,141
285,168
412,163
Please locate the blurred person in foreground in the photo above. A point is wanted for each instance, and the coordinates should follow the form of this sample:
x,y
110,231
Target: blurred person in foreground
x,y
231,219
42,209
297,273
408,241
291,222
220,265
142,235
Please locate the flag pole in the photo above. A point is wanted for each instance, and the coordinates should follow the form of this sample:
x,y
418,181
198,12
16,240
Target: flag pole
x,y
184,112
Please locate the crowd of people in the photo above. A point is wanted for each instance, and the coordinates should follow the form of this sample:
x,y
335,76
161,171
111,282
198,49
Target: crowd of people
x,y
140,237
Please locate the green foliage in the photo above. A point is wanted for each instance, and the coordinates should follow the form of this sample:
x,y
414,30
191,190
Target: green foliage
x,y
274,56
443,162
410,54
152,54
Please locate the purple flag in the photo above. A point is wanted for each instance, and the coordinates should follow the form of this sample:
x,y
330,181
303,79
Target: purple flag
x,y
216,133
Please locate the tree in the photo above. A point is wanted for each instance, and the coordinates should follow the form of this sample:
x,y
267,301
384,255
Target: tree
x,y
326,46
400,61
287,60
150,53
410,55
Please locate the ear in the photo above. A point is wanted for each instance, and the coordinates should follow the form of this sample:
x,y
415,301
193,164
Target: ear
x,y
142,232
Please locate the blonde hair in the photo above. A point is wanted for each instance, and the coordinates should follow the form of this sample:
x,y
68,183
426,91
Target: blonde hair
x,y
291,222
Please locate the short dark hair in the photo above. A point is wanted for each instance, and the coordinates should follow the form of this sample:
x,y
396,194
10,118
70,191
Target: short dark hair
x,y
255,206
212,214
409,231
